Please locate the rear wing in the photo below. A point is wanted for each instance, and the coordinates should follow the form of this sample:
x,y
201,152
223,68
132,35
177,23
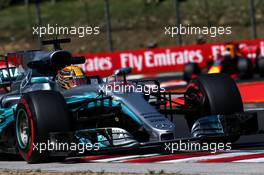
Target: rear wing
x,y
56,42
8,73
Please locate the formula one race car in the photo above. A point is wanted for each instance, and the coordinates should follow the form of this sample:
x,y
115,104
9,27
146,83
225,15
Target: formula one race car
x,y
237,62
40,119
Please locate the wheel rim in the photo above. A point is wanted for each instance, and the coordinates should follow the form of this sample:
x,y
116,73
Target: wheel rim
x,y
194,98
22,127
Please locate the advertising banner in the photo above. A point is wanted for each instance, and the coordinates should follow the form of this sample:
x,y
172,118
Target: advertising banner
x,y
158,60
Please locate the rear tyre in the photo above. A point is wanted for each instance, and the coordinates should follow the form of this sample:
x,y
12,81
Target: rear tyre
x,y
260,66
245,68
37,114
190,70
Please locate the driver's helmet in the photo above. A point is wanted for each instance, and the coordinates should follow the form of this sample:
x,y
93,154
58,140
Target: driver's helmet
x,y
70,77
230,50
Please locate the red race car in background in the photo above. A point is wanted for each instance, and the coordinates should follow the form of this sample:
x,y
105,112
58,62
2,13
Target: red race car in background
x,y
238,61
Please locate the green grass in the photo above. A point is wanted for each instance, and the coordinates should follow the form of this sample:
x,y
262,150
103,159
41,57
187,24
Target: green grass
x,y
144,23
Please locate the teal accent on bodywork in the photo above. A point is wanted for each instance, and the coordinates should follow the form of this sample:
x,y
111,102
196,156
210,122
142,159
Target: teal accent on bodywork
x,y
84,141
39,80
93,95
219,124
7,116
78,98
100,139
213,121
208,125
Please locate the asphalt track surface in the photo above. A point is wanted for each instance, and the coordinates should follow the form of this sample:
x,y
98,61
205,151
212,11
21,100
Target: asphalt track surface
x,y
248,160
230,168
184,168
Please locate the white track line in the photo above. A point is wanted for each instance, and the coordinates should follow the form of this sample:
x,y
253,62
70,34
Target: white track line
x,y
141,156
123,158
195,159
255,160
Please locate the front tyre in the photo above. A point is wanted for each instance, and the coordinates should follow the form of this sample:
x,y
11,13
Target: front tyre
x,y
38,114
214,94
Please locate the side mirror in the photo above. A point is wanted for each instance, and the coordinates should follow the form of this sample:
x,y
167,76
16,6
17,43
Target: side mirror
x,y
123,71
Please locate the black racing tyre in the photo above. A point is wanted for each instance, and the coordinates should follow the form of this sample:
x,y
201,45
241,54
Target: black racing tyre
x,y
37,114
189,70
214,94
245,68
260,66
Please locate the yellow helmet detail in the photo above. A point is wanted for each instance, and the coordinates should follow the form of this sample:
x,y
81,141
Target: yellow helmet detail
x,y
70,77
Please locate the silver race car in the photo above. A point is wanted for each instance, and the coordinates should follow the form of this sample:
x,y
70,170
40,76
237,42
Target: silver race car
x,y
40,119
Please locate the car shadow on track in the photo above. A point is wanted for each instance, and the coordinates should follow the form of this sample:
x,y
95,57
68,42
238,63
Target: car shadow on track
x,y
10,157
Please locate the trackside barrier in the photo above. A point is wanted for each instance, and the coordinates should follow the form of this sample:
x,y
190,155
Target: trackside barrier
x,y
157,60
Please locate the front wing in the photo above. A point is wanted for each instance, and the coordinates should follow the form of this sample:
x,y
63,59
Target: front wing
x,y
111,140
